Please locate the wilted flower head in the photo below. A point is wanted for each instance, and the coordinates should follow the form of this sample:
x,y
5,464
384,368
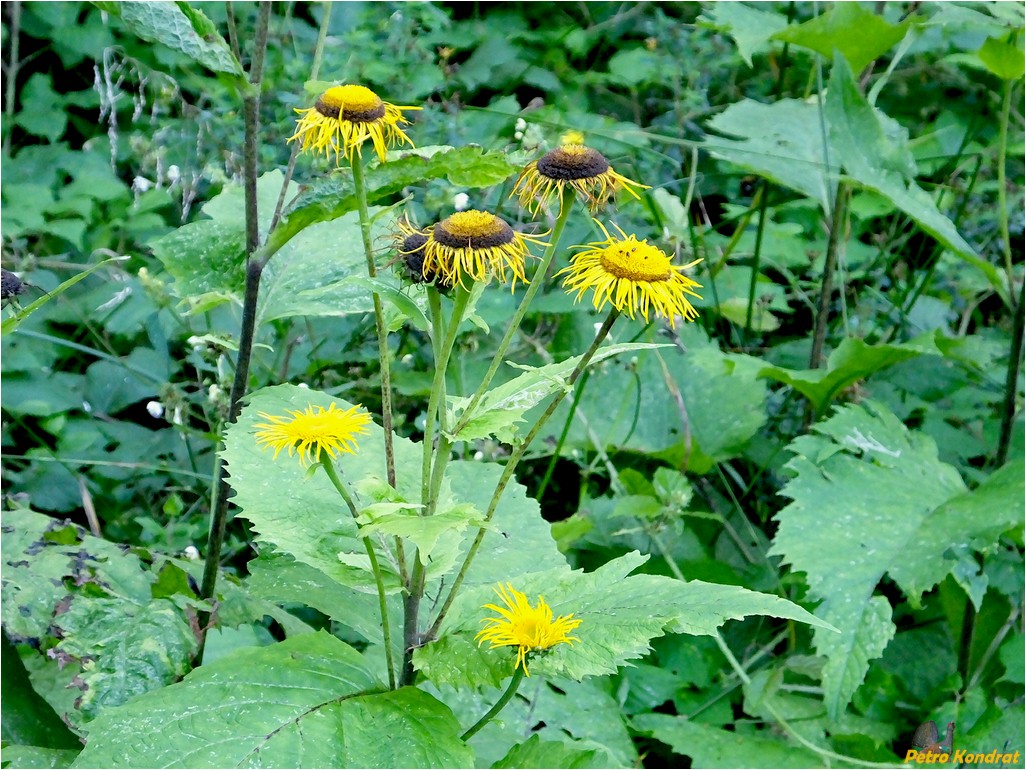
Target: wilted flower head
x,y
632,276
310,432
574,165
473,244
344,117
529,629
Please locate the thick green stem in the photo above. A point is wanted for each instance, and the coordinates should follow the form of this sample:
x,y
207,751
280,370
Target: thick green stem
x,y
360,186
500,704
532,289
511,466
254,269
1011,381
827,286
1006,242
757,258
343,490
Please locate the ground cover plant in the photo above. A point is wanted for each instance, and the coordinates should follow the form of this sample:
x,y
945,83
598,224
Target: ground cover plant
x,y
542,385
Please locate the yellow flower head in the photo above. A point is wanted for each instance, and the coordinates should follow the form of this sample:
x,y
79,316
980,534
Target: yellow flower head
x,y
574,165
331,430
632,275
344,117
473,244
530,629
410,241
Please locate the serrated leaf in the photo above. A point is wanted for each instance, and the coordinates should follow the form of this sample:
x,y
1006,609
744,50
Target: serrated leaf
x,y
851,361
1003,59
620,614
177,26
863,490
874,152
468,166
306,518
13,755
422,531
832,31
782,141
319,706
751,28
534,752
710,746
501,408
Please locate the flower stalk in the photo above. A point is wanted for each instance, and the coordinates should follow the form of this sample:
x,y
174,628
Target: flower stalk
x,y
500,704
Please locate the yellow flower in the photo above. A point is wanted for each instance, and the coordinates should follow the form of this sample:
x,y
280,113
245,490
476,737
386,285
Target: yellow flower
x,y
473,244
632,275
530,629
574,165
345,117
331,430
410,241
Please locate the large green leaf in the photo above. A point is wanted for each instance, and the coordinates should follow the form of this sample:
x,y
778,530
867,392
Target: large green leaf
x,y
834,30
782,141
468,166
28,720
305,517
534,752
709,746
873,150
502,407
851,361
750,27
863,494
620,614
305,702
178,26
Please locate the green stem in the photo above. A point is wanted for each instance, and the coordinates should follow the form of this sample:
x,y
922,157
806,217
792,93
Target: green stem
x,y
1011,381
757,259
511,465
500,704
384,364
539,277
1006,243
360,186
254,269
827,285
343,490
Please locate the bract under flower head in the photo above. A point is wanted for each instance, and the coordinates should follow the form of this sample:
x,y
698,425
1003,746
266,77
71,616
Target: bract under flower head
x,y
344,117
529,629
632,276
409,244
310,432
573,165
476,245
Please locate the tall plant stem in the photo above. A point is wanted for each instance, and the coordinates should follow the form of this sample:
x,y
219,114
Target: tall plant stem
x,y
566,204
1011,381
431,448
343,490
500,704
511,466
254,269
757,258
1006,243
360,185
11,75
829,266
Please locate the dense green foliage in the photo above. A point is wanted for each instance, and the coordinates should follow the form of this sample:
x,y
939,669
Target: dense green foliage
x,y
793,529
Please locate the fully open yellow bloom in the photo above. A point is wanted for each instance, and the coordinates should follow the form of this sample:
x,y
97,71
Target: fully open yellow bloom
x,y
632,276
574,165
472,244
530,629
332,430
344,117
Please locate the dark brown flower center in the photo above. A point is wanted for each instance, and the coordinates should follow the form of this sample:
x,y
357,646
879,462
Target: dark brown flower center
x,y
474,230
571,162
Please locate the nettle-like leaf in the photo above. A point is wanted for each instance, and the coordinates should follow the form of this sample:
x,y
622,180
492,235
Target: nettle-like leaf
x,y
851,361
534,752
710,746
751,28
83,599
302,515
305,702
871,498
422,531
502,407
178,26
620,614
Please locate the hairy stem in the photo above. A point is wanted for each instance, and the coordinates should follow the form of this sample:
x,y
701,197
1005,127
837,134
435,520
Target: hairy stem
x,y
829,265
254,269
500,704
511,465
539,277
343,490
1011,381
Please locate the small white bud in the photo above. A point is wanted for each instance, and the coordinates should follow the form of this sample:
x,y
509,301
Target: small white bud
x,y
478,455
174,173
141,184
303,385
460,201
521,124
177,419
213,393
518,135
192,553
155,408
